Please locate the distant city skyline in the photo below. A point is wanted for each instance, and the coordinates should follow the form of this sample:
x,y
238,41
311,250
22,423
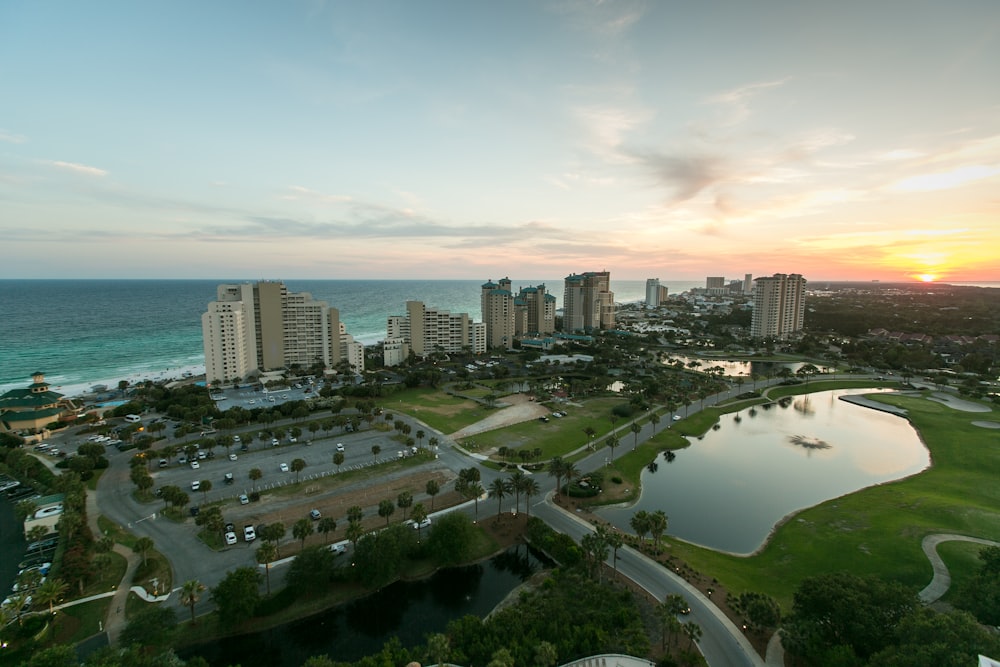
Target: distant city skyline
x,y
444,139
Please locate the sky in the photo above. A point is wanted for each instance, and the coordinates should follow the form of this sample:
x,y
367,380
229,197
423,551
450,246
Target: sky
x,y
850,140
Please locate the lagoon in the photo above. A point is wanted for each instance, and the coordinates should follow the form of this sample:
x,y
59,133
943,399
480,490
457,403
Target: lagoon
x,y
736,482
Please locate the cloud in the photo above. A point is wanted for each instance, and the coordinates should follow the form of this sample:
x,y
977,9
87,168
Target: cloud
x,y
12,138
297,193
684,175
77,168
735,103
946,180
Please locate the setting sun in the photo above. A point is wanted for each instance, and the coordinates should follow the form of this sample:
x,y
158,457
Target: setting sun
x,y
927,277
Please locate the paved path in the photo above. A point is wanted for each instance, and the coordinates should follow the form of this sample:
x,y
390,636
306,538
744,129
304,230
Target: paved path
x,y
942,579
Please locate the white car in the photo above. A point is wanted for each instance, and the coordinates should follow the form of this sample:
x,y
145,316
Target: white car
x,y
195,485
274,442
232,457
249,534
230,538
423,524
340,446
195,465
283,467
244,500
677,418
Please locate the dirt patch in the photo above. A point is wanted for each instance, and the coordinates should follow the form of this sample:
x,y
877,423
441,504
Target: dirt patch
x,y
520,408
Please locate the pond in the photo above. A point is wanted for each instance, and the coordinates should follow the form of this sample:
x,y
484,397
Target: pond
x,y
732,485
739,367
407,610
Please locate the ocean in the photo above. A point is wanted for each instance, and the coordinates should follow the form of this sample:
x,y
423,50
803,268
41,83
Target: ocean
x,y
80,333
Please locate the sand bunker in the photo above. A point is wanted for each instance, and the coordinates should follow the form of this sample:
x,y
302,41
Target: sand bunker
x,y
987,424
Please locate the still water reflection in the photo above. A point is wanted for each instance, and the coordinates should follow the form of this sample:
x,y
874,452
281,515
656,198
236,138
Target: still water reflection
x,y
407,610
730,487
737,367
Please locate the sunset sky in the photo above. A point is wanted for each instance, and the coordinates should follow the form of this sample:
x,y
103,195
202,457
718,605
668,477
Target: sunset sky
x,y
840,140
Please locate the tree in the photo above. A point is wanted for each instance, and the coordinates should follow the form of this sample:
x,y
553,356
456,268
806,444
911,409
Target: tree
x,y
657,526
640,524
516,482
667,612
529,488
595,550
311,570
265,555
615,541
376,450
354,532
761,611
355,513
420,437
499,488
590,433
636,429
338,459
326,526
205,486
190,594
546,654
654,419
152,625
404,501
693,632
237,595
570,472
432,489
49,592
142,547
433,442
438,647
298,465
273,533
301,530
612,443
255,474
557,468
385,510
452,539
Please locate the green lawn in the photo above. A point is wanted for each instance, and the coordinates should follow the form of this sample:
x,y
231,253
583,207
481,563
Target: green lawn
x,y
434,407
878,530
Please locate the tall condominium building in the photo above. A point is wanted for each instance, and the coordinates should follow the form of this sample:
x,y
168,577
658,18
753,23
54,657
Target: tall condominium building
x,y
263,326
534,312
715,282
426,330
652,292
498,314
747,283
778,306
588,302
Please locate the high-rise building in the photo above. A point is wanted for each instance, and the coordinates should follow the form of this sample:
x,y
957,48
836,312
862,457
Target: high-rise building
x,y
748,283
652,292
588,302
534,312
715,282
778,306
426,330
263,326
498,314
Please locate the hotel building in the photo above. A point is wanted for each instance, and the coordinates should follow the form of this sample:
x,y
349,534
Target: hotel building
x,y
778,306
497,302
426,330
588,302
262,327
534,312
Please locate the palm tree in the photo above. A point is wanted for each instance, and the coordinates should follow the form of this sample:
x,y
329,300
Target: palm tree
x,y
615,541
205,486
266,553
190,594
557,468
570,472
420,437
499,488
476,490
693,632
657,526
529,487
354,532
326,526
143,546
654,419
298,465
516,481
433,442
590,433
404,501
376,450
612,443
635,428
432,489
640,524
418,515
338,459
354,513
49,592
255,474
385,509
301,530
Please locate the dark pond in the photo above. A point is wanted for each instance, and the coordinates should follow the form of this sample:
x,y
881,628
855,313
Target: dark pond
x,y
407,610
732,485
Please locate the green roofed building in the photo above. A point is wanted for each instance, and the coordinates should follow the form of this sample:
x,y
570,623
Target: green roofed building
x,y
32,409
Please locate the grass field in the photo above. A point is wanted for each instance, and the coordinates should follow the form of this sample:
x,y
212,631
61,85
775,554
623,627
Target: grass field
x,y
878,530
439,410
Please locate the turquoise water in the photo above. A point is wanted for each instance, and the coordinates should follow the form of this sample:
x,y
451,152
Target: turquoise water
x,y
85,332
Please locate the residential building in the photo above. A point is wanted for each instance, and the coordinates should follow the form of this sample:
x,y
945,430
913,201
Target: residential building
x,y
534,312
588,302
778,306
748,284
715,282
32,409
653,293
497,303
427,330
252,328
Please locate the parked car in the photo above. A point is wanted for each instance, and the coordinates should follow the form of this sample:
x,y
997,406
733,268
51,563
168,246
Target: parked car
x,y
249,534
283,467
230,538
195,485
228,479
195,465
340,446
244,500
423,524
232,457
314,514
